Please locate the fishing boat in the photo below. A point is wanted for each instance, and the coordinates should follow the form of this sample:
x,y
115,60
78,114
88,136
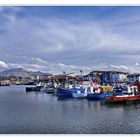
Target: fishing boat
x,y
122,89
79,94
64,92
69,92
122,98
130,94
37,88
50,90
99,93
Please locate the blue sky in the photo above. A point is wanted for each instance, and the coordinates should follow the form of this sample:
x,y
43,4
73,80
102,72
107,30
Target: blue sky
x,y
53,39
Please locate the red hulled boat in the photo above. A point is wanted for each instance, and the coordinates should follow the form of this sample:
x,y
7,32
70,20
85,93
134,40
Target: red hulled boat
x,y
122,98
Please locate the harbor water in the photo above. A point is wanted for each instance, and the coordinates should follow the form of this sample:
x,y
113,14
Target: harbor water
x,y
39,113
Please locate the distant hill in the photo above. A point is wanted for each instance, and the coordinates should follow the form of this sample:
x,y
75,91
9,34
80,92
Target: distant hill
x,y
20,72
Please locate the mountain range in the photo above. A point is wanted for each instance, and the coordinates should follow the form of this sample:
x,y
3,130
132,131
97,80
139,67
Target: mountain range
x,y
20,72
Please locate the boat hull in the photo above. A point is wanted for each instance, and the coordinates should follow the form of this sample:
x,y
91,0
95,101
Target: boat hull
x,y
96,96
50,90
122,99
79,95
64,92
69,92
29,89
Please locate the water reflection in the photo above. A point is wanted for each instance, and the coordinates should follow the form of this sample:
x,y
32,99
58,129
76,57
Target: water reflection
x,y
45,113
64,98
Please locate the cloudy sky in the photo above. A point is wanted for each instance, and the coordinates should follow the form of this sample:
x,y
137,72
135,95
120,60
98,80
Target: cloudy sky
x,y
57,39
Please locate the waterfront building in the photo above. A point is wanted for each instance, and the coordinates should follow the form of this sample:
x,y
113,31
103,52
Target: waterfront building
x,y
5,83
132,78
106,77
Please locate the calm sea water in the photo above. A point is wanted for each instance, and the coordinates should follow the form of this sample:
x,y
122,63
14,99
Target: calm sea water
x,y
22,112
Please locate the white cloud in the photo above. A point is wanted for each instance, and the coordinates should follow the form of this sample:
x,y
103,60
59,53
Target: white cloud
x,y
37,61
37,64
56,44
136,64
3,64
120,67
58,68
59,35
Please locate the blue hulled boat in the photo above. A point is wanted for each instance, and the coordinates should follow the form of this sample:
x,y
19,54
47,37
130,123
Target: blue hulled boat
x,y
65,92
79,94
68,92
96,96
